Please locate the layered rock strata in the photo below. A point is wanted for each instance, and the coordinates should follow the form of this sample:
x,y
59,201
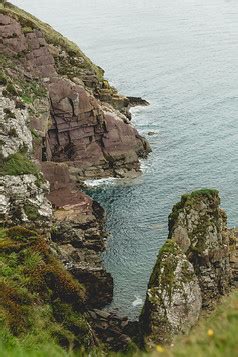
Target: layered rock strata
x,y
61,122
92,136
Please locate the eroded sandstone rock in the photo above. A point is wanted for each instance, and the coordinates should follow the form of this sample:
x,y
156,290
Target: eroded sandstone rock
x,y
93,138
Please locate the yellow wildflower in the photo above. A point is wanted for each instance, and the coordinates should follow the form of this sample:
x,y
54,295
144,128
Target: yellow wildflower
x,y
210,332
160,349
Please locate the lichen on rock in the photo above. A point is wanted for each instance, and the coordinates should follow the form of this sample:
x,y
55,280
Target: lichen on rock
x,y
173,299
199,226
193,269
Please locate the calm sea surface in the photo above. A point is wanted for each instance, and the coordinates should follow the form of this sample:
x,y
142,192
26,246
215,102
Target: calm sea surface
x,y
182,56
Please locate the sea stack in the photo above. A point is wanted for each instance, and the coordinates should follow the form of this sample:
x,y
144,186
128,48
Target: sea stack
x,y
193,267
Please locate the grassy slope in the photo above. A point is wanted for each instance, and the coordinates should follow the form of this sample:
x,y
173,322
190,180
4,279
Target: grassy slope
x,y
41,305
214,336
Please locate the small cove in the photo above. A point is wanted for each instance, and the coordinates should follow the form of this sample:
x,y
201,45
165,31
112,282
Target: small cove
x,y
182,57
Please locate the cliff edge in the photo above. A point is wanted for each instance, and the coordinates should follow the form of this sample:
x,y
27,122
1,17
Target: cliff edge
x,y
60,122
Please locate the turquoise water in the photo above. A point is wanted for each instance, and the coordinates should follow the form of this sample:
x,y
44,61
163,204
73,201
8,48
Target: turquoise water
x,y
181,55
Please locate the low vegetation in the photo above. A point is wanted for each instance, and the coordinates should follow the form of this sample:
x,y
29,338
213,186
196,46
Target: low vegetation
x,y
41,305
18,164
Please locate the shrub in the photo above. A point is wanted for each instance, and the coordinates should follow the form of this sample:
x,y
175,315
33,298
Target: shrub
x,y
31,212
21,233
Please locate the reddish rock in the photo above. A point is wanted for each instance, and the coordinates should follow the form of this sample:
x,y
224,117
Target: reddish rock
x,y
78,234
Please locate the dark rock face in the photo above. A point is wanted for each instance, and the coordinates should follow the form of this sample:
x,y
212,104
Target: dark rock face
x,y
111,329
134,101
194,268
78,234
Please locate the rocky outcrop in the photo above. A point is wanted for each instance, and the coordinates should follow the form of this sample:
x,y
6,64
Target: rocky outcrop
x,y
86,129
111,329
78,234
22,187
194,269
233,245
14,132
61,122
173,301
23,201
199,226
137,101
93,143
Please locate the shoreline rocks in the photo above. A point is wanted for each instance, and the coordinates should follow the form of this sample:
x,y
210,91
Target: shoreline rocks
x,y
137,101
78,234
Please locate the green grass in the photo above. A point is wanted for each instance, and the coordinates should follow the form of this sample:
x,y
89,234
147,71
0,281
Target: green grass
x,y
31,212
18,164
40,302
37,314
205,192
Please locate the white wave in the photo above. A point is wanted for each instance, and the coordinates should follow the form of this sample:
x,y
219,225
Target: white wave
x,y
138,301
100,182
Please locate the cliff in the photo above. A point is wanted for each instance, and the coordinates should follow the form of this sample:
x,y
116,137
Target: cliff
x,y
195,267
60,122
77,116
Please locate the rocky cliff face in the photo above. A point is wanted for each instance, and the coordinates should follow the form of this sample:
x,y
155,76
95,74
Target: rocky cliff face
x,y
199,226
195,267
173,300
91,135
60,122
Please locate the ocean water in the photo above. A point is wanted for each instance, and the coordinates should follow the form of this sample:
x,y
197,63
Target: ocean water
x,y
182,56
